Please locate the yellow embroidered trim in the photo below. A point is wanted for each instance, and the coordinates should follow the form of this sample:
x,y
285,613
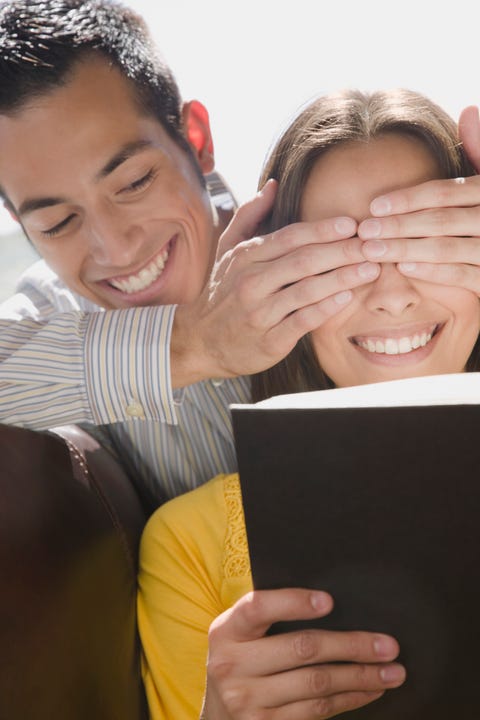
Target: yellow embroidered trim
x,y
236,557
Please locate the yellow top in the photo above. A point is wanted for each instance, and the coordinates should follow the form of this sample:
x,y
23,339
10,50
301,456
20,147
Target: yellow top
x,y
194,564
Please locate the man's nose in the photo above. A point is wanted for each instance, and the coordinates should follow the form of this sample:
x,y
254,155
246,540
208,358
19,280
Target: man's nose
x,y
392,292
113,241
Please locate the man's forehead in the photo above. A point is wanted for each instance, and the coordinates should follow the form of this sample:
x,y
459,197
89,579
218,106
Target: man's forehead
x,y
93,86
53,136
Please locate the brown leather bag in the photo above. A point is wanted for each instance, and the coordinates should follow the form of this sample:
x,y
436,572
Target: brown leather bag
x,y
70,523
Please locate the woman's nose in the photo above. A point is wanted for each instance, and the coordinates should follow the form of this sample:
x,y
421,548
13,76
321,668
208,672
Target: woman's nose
x,y
391,292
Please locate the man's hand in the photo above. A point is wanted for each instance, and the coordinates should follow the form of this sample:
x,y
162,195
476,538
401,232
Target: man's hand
x,y
265,292
294,676
432,230
469,130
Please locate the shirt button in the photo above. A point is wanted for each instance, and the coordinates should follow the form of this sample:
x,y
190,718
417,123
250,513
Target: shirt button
x,y
217,382
135,410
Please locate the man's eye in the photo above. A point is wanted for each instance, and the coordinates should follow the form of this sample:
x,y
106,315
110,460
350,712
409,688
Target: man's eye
x,y
51,232
140,183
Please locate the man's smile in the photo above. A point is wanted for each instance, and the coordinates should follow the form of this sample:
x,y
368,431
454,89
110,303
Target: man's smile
x,y
146,276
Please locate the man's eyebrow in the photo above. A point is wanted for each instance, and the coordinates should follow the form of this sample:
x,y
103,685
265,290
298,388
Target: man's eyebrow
x,y
127,151
31,204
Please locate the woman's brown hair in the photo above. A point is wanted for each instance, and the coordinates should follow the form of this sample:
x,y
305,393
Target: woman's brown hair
x,y
326,122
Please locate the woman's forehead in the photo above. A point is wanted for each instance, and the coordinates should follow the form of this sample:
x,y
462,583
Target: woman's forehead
x,y
346,178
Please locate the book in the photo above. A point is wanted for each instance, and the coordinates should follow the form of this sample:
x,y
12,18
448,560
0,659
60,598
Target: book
x,y
373,494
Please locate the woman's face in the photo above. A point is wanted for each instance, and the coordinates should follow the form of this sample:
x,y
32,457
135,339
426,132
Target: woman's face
x,y
394,327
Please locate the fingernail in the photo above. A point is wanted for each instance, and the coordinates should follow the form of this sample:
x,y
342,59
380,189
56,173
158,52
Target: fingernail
x,y
384,646
368,271
407,266
321,601
370,229
375,248
380,206
264,186
345,226
392,673
342,298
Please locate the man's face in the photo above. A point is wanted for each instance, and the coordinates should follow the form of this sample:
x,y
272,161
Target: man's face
x,y
110,201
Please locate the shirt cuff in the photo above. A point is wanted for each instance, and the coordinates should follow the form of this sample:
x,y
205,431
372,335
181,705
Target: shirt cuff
x,y
127,365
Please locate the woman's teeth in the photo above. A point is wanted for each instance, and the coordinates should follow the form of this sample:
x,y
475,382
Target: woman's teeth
x,y
144,278
391,346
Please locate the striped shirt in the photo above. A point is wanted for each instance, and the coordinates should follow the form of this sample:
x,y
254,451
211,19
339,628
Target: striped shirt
x,y
64,359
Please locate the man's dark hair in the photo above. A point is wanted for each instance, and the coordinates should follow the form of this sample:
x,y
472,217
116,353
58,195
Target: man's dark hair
x,y
42,42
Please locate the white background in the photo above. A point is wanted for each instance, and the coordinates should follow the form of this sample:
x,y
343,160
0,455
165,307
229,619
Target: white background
x,y
253,63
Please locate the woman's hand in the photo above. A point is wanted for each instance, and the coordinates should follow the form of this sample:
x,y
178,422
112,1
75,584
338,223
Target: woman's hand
x,y
292,676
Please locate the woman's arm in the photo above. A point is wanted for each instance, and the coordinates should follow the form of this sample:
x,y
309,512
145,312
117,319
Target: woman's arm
x,y
187,633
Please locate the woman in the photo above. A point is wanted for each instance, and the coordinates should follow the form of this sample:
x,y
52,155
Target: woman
x,y
339,153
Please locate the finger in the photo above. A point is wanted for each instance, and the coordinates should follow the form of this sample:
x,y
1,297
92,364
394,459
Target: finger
x,y
469,131
439,222
424,249
248,217
255,612
331,289
323,708
263,279
309,647
300,236
453,275
283,337
462,192
340,686
287,651
317,681
310,258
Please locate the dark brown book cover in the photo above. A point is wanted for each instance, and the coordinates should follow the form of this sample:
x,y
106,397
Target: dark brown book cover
x,y
381,507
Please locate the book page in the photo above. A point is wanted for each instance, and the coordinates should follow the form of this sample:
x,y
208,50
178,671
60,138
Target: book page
x,y
451,389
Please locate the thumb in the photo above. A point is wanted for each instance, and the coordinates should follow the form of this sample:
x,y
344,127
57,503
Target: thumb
x,y
248,217
255,612
469,131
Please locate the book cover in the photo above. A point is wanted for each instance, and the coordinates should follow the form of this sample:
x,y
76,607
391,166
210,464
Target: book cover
x,y
379,505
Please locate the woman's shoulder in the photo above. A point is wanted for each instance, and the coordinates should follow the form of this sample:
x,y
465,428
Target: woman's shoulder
x,y
202,534
205,507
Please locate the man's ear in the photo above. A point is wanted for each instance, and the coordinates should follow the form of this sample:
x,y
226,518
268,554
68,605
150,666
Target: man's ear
x,y
10,209
199,135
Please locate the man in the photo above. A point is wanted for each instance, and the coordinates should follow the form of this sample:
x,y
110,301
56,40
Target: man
x,y
104,168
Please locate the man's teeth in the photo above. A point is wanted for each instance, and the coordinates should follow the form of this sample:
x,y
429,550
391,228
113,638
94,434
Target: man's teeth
x,y
391,346
144,278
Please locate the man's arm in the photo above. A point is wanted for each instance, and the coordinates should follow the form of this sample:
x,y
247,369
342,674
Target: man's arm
x,y
265,292
62,361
